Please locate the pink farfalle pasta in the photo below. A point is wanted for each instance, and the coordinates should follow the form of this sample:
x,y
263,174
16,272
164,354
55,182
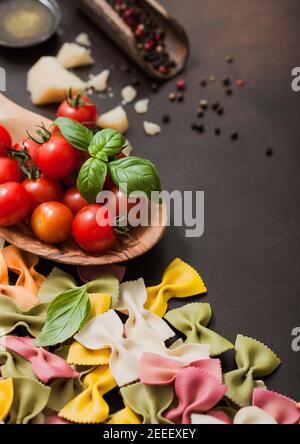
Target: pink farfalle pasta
x,y
197,392
45,365
281,408
158,370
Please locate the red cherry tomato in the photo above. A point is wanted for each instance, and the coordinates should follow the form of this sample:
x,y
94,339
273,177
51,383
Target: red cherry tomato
x,y
93,229
15,204
31,146
51,222
120,203
9,170
80,109
109,183
5,140
43,190
74,201
56,158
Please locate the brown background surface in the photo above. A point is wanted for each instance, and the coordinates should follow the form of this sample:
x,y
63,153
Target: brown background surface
x,y
249,256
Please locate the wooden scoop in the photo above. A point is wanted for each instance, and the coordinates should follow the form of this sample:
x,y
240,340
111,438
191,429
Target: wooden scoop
x,y
17,120
112,24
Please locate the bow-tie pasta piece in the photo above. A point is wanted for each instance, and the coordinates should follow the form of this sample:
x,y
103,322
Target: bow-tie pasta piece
x,y
148,402
106,331
30,398
197,392
63,391
24,292
192,320
180,280
6,397
254,360
13,365
12,316
124,416
141,323
205,420
89,407
253,415
56,283
281,408
45,365
80,355
158,370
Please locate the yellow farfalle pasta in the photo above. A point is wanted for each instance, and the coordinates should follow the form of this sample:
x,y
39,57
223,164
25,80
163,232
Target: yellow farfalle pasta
x,y
89,407
6,397
180,280
78,354
125,416
29,281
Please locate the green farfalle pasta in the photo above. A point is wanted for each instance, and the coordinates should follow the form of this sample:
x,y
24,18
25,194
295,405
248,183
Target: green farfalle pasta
x,y
62,391
13,365
11,317
59,282
30,398
254,360
148,401
192,320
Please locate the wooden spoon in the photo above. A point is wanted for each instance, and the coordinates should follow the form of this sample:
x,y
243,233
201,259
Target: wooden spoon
x,y
17,120
112,24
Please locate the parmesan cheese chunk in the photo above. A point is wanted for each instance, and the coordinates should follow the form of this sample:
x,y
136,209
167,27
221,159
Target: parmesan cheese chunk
x,y
128,94
48,81
72,55
152,129
142,106
115,119
100,81
83,39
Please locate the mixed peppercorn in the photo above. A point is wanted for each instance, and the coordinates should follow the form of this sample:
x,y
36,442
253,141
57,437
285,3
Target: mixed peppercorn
x,y
149,36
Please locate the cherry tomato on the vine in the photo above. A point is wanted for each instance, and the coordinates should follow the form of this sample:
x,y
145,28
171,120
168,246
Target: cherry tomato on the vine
x,y
93,229
15,204
5,140
43,190
57,158
51,222
79,108
74,201
30,145
9,170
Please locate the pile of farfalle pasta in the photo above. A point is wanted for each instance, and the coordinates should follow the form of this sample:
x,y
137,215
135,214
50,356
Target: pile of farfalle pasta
x,y
115,339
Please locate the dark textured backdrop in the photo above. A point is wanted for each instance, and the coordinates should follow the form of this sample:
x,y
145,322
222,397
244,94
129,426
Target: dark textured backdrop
x,y
249,256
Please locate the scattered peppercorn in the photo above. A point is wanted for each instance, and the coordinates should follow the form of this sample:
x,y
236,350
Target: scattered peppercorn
x,y
203,82
217,131
172,97
269,152
229,91
227,82
229,59
180,98
220,111
200,128
240,83
200,113
234,135
215,106
181,84
166,118
154,87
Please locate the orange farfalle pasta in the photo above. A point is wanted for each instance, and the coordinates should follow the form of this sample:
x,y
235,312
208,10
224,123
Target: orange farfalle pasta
x,y
89,407
29,280
180,280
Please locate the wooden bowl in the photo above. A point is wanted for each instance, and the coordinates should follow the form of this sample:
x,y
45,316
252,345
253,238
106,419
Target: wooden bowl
x,y
17,120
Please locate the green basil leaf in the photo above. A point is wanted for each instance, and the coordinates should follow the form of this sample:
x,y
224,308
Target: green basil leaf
x,y
65,316
138,174
76,134
108,141
91,179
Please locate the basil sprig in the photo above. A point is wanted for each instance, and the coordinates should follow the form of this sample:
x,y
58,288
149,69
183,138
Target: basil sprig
x,y
136,173
65,316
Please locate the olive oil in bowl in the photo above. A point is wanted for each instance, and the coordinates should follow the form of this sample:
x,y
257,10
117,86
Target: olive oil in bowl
x,y
27,22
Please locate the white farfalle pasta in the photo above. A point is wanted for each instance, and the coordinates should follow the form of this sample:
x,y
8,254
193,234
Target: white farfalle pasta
x,y
141,323
106,331
246,416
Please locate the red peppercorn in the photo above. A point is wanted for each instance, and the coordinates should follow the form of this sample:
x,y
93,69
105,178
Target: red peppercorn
x,y
240,83
181,85
149,45
139,31
164,69
128,12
